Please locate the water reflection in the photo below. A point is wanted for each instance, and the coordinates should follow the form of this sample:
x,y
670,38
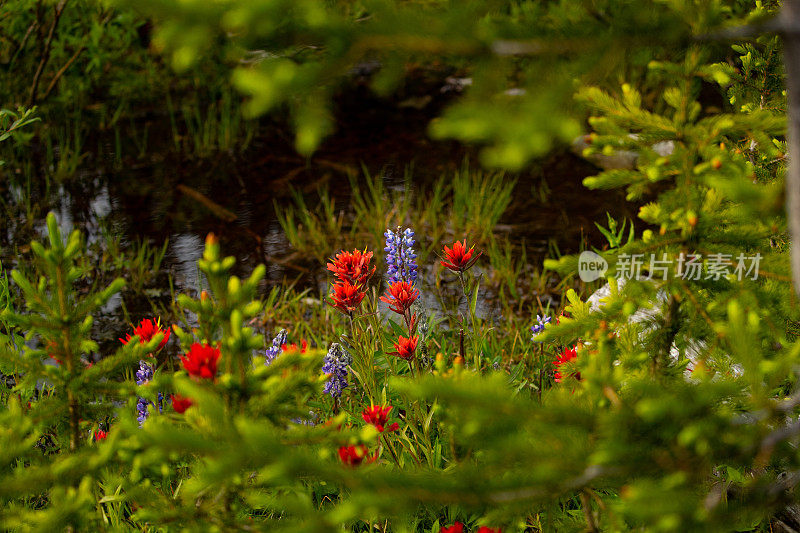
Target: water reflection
x,y
184,251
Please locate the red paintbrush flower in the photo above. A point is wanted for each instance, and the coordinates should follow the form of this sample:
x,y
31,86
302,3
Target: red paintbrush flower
x,y
352,267
146,330
569,354
457,527
355,455
400,296
201,361
180,404
293,347
378,416
100,435
346,297
404,348
458,258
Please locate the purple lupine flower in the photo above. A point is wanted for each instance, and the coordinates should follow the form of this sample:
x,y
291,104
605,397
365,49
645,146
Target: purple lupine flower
x,y
539,327
144,374
400,257
335,363
274,350
310,421
141,407
143,377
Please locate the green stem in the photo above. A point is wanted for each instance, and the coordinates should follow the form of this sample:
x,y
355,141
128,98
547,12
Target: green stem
x,y
586,505
391,449
363,361
474,322
541,371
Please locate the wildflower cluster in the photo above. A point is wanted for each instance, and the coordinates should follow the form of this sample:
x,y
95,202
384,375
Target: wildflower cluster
x,y
700,133
146,331
402,293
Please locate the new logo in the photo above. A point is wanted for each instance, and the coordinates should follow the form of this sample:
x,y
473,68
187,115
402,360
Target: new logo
x,y
591,266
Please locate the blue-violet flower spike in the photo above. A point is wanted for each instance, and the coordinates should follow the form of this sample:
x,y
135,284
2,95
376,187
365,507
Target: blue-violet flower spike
x,y
400,256
335,363
275,350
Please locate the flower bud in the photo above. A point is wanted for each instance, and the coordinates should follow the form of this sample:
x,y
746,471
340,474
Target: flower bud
x,y
211,252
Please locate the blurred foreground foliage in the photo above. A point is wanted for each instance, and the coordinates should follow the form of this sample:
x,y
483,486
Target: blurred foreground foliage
x,y
519,63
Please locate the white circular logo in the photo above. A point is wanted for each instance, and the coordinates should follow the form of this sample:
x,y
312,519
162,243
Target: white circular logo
x,y
591,266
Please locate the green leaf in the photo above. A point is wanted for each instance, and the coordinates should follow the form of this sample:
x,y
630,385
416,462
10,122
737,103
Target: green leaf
x,y
473,303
